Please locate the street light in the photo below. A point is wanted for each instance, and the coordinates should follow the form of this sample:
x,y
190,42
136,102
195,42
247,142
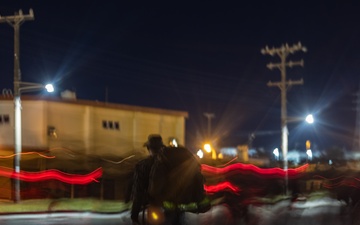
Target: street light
x,y
276,153
209,116
309,119
21,88
209,149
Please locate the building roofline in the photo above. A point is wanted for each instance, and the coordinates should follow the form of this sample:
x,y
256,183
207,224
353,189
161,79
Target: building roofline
x,y
100,104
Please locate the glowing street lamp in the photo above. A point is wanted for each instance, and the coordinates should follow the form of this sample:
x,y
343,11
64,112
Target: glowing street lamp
x,y
49,88
309,119
22,87
209,149
29,87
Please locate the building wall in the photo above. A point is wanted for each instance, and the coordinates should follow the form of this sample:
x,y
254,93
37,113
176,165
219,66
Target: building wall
x,y
87,128
7,128
69,124
33,124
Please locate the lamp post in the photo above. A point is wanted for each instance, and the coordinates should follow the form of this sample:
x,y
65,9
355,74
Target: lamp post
x,y
209,116
15,21
21,87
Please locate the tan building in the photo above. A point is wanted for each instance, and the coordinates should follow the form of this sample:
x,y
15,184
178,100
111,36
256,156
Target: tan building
x,y
92,127
82,136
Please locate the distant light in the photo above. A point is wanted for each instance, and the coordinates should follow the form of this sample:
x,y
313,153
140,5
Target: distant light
x,y
174,143
49,88
207,147
309,119
309,153
200,153
154,216
276,152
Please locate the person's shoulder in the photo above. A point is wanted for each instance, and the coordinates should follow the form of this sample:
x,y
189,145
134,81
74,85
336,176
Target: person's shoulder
x,y
177,151
146,161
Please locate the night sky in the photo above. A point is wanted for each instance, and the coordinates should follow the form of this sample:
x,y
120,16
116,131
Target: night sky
x,y
199,57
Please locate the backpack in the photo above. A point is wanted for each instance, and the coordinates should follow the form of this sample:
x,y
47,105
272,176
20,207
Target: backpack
x,y
176,178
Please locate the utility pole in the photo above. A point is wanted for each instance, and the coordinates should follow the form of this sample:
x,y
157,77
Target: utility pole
x,y
356,141
283,52
209,116
15,21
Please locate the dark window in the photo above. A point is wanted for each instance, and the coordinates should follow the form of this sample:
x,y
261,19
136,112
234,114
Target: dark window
x,y
111,125
6,118
116,125
52,132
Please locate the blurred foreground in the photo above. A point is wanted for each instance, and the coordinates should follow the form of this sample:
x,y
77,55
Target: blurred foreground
x,y
318,209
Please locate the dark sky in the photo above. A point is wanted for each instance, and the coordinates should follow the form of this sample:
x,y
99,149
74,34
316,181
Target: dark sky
x,y
199,57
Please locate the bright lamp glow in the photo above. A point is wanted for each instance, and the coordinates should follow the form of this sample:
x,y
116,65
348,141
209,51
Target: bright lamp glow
x,y
49,88
309,118
200,154
309,153
276,152
207,148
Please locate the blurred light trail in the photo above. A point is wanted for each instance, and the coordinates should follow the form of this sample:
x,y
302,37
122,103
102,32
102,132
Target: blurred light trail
x,y
52,174
241,168
63,150
235,158
223,186
107,160
340,181
27,153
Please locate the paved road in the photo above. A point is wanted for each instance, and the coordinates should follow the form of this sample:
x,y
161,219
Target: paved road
x,y
217,215
322,212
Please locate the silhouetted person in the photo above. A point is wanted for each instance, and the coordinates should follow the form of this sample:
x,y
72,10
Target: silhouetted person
x,y
168,183
140,196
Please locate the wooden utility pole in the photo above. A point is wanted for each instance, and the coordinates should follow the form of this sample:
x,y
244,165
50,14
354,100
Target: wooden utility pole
x,y
283,52
356,141
15,21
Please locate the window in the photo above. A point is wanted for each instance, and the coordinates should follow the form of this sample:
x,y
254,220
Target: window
x,y
4,119
116,126
52,132
110,125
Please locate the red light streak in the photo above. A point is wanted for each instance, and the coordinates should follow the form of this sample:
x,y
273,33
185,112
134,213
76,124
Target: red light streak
x,y
268,172
223,186
52,174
